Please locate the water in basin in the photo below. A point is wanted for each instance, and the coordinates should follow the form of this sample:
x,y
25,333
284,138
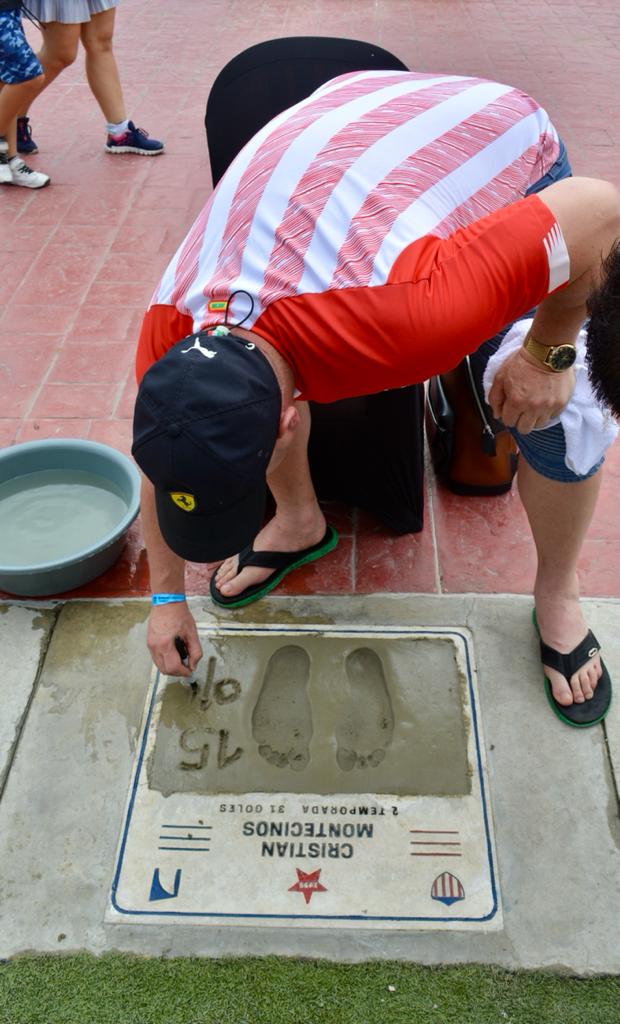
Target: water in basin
x,y
53,514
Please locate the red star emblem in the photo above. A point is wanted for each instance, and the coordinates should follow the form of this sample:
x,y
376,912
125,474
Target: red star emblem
x,y
307,884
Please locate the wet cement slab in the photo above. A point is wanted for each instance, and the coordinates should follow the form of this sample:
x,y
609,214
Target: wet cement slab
x,y
342,766
322,713
553,791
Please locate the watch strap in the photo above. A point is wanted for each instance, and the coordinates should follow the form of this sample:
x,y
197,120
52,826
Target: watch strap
x,y
543,352
535,348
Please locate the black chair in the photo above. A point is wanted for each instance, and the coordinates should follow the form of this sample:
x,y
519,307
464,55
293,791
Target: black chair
x,y
366,451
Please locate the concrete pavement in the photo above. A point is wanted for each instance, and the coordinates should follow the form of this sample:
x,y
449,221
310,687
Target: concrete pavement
x,y
73,688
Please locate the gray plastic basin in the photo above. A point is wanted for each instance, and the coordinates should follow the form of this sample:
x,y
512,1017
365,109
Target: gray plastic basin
x,y
81,566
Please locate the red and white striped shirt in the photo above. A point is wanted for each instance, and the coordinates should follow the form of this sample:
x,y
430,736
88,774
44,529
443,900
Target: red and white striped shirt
x,y
331,193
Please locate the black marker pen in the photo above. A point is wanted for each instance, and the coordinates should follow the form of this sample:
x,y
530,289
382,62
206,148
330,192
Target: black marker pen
x,y
181,647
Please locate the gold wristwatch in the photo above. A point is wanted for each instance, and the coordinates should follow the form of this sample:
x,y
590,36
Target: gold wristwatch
x,y
555,357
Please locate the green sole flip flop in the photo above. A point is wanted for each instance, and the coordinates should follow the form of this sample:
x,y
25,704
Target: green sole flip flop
x,y
282,561
591,712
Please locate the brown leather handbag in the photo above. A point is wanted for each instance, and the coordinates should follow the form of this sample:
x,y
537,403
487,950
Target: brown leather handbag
x,y
471,453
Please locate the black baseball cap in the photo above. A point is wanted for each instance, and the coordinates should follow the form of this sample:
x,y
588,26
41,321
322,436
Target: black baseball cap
x,y
205,425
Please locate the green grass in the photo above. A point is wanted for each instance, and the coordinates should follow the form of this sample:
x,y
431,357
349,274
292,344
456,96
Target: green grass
x,y
119,989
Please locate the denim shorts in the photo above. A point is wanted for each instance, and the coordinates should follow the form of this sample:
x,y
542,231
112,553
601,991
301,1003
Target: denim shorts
x,y
543,450
18,61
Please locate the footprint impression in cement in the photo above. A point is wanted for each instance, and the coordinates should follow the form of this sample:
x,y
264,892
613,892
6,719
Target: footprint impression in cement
x,y
365,734
319,774
282,716
321,715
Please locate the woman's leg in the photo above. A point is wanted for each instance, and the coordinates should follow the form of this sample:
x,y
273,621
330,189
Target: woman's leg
x,y
59,50
101,66
12,99
104,81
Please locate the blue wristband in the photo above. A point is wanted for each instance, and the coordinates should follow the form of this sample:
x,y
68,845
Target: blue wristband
x,y
167,598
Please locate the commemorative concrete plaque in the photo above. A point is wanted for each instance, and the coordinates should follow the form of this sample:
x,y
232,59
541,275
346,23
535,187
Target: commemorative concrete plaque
x,y
317,775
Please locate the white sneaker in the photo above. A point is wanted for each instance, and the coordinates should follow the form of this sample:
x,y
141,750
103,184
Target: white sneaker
x,y
5,171
24,175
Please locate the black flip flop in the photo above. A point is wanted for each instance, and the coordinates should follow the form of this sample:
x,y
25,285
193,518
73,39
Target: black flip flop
x,y
591,712
283,561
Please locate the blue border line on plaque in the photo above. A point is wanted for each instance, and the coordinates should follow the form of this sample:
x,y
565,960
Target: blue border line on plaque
x,y
275,628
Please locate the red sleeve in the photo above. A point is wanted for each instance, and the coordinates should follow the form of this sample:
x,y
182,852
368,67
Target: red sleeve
x,y
161,328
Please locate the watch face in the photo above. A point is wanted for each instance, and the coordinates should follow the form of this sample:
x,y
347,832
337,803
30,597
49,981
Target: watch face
x,y
562,357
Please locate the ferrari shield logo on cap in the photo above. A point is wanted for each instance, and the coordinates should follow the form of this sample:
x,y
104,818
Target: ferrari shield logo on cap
x,y
186,502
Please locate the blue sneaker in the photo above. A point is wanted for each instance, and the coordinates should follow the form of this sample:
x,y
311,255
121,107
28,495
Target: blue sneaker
x,y
134,140
25,141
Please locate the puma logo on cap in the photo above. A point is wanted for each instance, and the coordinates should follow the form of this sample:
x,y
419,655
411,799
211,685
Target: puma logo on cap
x,y
197,347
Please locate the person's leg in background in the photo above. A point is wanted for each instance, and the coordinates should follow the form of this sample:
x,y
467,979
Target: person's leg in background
x,y
104,81
559,506
59,50
20,78
101,67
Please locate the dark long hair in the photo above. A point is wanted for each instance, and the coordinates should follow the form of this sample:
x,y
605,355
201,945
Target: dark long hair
x,y
603,354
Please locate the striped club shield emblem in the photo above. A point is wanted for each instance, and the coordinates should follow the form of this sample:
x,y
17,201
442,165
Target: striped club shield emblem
x,y
447,889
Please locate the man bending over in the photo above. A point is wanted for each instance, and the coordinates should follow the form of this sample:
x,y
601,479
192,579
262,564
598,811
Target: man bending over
x,y
368,238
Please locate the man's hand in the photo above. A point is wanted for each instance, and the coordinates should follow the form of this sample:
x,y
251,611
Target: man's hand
x,y
165,623
526,396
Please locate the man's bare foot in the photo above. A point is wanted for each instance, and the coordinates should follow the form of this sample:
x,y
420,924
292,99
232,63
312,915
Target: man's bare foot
x,y
562,626
279,534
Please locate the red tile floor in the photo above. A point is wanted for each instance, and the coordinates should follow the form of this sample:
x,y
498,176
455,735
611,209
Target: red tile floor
x,y
81,258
